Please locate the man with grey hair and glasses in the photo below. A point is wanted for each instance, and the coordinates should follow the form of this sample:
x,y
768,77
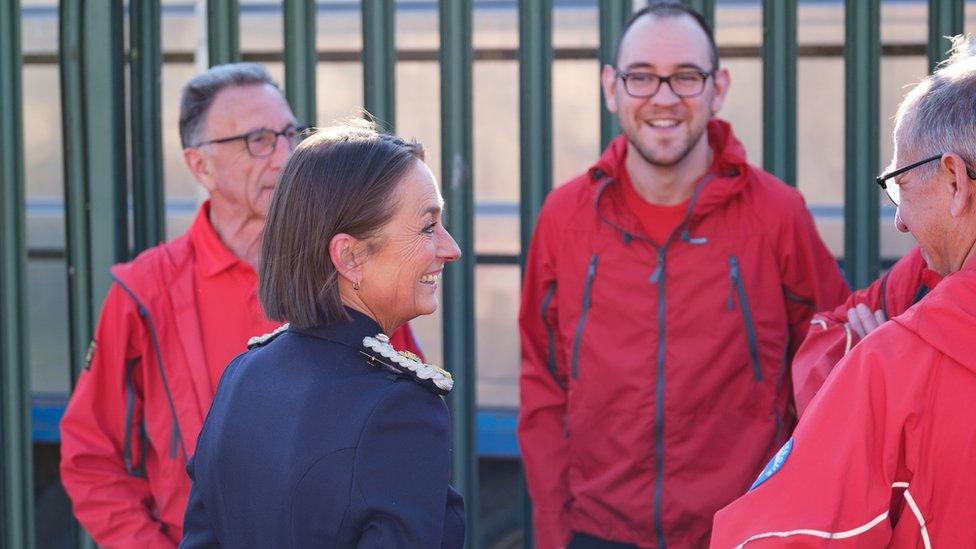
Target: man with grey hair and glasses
x,y
884,455
175,316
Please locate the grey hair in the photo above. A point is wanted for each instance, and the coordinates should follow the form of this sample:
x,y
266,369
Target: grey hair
x,y
939,114
199,93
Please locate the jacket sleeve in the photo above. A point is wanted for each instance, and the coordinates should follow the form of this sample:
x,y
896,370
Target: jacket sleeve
x,y
198,530
404,339
830,337
542,385
843,470
401,470
828,340
100,461
811,279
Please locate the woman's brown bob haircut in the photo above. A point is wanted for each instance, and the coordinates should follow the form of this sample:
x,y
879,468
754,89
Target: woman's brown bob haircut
x,y
341,179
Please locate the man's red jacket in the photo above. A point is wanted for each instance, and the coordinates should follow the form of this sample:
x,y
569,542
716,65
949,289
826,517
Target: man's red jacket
x,y
655,380
830,338
884,455
134,416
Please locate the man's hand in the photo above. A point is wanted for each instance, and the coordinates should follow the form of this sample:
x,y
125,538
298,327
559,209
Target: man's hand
x,y
863,321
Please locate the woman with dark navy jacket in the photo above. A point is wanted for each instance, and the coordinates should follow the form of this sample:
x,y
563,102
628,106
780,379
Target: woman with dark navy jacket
x,y
322,434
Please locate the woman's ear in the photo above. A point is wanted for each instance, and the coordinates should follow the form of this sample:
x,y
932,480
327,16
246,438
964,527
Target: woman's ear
x,y
343,253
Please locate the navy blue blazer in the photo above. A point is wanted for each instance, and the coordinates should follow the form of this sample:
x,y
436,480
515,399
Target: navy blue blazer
x,y
309,444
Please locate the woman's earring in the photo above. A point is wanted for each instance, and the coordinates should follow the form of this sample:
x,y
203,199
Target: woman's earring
x,y
355,286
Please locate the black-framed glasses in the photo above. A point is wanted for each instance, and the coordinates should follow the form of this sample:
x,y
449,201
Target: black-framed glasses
x,y
262,142
684,83
893,190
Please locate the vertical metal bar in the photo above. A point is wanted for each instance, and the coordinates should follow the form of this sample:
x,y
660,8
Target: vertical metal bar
x,y
300,58
223,32
76,220
145,71
535,106
456,58
535,115
862,50
946,19
613,15
779,88
93,133
104,84
379,61
16,483
704,7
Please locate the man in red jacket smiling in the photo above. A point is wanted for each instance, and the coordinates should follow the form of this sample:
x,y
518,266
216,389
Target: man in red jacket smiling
x,y
665,291
884,454
175,316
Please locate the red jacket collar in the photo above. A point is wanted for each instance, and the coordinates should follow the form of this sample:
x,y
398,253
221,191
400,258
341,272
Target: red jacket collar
x,y
730,164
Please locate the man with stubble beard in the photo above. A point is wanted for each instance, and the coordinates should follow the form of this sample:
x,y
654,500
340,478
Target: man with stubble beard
x,y
665,291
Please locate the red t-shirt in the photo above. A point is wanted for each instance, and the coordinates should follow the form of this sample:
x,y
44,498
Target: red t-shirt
x,y
658,221
227,297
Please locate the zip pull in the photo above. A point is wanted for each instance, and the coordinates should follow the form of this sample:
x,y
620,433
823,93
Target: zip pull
x,y
591,270
659,270
734,276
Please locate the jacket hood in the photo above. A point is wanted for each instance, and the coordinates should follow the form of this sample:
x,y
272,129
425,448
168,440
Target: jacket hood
x,y
730,165
946,318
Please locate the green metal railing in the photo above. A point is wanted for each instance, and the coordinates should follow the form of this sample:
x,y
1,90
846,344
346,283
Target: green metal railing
x,y
16,509
707,8
94,143
535,140
613,15
379,62
861,125
223,32
91,51
300,58
145,93
779,89
456,59
946,18
92,63
535,111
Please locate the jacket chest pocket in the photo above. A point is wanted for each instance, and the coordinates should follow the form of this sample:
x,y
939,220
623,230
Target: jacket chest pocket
x,y
737,295
584,309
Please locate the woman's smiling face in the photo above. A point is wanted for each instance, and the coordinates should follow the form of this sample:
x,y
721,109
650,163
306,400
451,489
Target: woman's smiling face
x,y
403,269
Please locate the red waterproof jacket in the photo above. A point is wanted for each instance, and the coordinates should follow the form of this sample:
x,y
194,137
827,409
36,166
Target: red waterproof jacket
x,y
134,416
884,455
830,338
654,381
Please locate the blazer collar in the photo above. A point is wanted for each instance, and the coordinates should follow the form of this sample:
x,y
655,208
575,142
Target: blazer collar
x,y
349,332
